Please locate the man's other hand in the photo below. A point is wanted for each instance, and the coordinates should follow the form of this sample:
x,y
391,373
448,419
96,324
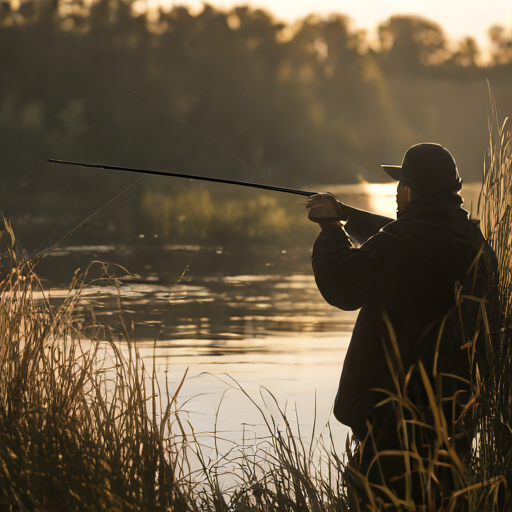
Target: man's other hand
x,y
324,208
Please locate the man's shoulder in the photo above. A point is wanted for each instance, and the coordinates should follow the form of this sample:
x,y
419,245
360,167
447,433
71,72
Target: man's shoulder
x,y
391,237
403,228
447,240
431,229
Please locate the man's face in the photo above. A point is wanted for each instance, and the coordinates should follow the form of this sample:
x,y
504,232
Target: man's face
x,y
402,197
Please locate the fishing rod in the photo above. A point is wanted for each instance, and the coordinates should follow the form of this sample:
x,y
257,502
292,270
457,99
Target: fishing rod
x,y
157,173
187,176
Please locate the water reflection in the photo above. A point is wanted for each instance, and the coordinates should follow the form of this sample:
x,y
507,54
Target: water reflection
x,y
272,331
215,309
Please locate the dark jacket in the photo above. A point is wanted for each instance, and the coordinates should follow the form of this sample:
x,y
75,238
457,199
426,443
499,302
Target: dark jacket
x,y
407,272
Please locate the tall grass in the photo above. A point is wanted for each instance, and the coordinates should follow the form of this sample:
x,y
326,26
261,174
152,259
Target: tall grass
x,y
78,424
493,384
84,425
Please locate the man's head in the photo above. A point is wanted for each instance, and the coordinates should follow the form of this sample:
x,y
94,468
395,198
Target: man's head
x,y
427,169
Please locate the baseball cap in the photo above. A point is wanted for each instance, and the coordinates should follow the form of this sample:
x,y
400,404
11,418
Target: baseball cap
x,y
428,165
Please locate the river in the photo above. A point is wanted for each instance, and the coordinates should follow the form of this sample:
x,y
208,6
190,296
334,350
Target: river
x,y
266,331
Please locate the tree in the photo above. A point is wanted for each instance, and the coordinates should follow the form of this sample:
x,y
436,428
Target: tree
x,y
501,45
411,44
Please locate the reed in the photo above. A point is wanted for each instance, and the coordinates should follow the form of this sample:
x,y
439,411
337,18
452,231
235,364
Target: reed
x,y
85,425
78,422
493,383
282,471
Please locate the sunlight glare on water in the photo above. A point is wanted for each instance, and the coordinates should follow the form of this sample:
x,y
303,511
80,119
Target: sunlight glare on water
x,y
381,198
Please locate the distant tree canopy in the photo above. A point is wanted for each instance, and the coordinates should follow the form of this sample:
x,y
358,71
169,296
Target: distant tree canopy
x,y
313,103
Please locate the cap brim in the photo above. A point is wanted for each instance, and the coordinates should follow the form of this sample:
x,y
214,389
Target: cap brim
x,y
393,170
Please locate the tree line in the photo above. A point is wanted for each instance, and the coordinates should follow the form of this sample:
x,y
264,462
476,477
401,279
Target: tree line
x,y
318,102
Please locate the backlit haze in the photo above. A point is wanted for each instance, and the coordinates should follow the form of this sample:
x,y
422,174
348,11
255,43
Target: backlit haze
x,y
458,18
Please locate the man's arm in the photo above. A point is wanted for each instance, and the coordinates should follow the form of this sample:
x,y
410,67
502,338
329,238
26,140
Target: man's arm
x,y
363,225
360,224
345,276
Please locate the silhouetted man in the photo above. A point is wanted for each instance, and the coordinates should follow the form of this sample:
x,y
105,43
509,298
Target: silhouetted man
x,y
404,277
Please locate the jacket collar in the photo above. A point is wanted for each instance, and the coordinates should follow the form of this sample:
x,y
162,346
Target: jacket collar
x,y
444,207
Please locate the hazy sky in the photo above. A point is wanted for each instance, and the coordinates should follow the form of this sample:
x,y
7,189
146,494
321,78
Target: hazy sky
x,y
458,17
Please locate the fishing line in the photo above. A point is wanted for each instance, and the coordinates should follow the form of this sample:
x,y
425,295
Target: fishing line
x,y
188,126
49,250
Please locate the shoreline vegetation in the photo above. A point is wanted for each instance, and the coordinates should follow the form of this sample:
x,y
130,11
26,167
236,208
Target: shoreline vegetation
x,y
85,425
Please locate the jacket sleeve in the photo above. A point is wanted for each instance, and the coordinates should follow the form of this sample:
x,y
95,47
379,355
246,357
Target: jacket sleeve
x,y
346,277
362,225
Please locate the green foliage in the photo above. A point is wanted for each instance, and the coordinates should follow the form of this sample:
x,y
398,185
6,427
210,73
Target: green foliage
x,y
199,215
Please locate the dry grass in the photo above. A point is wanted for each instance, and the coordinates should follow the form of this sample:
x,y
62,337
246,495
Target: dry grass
x,y
78,423
84,425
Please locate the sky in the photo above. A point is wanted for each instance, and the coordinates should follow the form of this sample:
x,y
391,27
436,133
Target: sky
x,y
458,18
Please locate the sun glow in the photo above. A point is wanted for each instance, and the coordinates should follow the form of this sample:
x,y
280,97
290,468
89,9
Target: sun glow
x,y
458,19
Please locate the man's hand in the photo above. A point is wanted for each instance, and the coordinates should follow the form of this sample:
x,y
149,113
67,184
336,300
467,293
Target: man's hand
x,y
325,208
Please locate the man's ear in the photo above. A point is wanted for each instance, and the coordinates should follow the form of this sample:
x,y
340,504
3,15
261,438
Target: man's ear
x,y
408,193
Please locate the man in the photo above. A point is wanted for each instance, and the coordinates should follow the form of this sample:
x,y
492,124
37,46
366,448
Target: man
x,y
404,276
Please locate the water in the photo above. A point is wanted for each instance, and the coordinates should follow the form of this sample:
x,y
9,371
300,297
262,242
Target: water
x,y
268,330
